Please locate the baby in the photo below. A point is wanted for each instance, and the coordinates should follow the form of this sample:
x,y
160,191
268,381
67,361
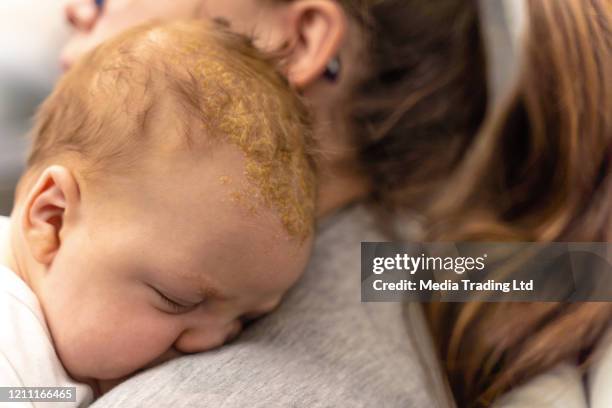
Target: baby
x,y
169,197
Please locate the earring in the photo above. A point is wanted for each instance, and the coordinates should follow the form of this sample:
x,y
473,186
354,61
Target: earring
x,y
332,71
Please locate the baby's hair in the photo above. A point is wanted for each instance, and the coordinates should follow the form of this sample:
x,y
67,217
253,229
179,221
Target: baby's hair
x,y
212,85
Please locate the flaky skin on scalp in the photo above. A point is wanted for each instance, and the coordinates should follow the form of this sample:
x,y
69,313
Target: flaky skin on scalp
x,y
212,85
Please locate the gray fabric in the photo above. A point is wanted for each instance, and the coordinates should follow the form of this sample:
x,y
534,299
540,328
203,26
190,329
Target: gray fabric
x,y
321,348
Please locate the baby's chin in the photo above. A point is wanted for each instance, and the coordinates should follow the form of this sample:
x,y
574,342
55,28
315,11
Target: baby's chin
x,y
102,381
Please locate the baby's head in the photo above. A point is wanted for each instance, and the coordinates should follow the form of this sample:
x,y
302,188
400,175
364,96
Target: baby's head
x,y
169,196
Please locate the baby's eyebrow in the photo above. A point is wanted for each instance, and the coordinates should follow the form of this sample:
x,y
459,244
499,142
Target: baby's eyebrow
x,y
223,22
206,290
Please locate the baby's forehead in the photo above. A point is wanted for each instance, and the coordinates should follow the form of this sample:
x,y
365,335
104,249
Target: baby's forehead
x,y
228,245
209,198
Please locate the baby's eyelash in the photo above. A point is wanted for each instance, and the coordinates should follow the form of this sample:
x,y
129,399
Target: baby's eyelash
x,y
174,305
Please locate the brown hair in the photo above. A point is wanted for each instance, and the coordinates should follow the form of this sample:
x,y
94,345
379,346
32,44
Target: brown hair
x,y
539,169
211,85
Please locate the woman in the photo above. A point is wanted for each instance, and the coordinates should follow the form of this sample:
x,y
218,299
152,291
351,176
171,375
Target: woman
x,y
398,92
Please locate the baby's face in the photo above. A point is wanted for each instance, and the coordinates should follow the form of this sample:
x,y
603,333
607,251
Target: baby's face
x,y
171,259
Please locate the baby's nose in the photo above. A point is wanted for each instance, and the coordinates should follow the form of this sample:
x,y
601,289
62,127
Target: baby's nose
x,y
200,339
81,14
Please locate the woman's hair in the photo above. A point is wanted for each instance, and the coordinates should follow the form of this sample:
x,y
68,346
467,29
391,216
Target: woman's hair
x,y
425,96
537,169
540,169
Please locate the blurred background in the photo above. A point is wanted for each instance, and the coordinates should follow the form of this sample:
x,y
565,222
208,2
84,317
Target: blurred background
x,y
31,35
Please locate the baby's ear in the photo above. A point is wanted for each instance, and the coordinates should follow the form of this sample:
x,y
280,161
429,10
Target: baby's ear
x,y
50,205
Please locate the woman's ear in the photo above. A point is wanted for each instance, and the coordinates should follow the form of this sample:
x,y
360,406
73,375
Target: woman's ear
x,y
52,200
317,29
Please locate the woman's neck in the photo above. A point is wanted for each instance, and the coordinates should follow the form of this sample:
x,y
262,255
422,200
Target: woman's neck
x,y
339,186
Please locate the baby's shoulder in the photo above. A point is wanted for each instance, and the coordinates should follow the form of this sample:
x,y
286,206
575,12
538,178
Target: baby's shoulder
x,y
18,304
24,338
27,355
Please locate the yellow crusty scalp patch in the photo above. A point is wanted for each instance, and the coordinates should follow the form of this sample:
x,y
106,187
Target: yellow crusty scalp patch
x,y
245,102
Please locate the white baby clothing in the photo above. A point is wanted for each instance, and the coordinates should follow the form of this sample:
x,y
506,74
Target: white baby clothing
x,y
27,355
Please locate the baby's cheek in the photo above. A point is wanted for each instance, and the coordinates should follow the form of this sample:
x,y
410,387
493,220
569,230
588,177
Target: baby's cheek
x,y
106,351
81,350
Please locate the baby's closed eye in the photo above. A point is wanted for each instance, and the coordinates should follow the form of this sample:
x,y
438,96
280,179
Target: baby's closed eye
x,y
172,304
